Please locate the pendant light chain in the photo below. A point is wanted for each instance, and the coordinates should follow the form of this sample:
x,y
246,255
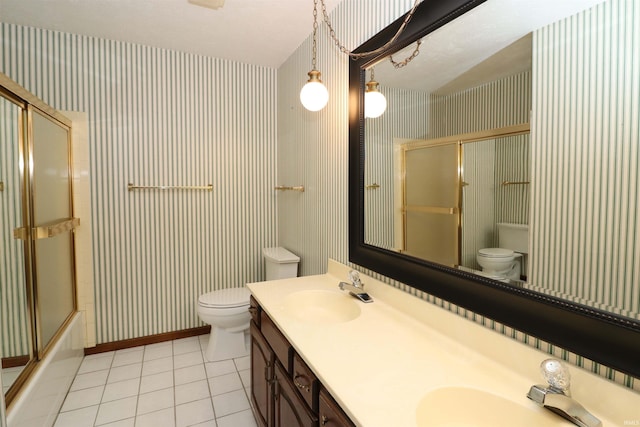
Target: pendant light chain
x,y
315,31
343,49
405,62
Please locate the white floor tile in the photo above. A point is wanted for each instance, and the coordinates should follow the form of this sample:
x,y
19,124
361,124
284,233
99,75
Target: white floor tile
x,y
189,374
194,413
245,377
126,372
157,365
117,410
79,418
128,357
229,403
155,382
129,422
220,368
239,419
95,364
136,387
163,418
82,398
89,380
186,345
158,351
187,359
243,363
225,383
192,391
121,389
154,401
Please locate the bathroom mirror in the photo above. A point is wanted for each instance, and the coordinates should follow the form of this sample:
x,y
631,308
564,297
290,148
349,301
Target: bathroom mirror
x,y
583,187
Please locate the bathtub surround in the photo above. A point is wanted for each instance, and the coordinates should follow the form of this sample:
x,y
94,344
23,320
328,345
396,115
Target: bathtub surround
x,y
41,398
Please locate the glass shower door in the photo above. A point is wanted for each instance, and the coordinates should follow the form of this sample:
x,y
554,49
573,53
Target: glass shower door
x,y
431,195
53,221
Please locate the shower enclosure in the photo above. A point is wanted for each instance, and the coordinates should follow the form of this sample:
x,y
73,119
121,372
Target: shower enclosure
x,y
37,281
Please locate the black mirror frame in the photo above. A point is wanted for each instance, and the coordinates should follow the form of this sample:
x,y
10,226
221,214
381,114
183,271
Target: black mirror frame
x,y
603,337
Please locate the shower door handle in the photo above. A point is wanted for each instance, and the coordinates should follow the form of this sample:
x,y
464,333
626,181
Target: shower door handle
x,y
48,230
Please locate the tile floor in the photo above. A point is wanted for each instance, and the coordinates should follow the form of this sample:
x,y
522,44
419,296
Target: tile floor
x,y
168,384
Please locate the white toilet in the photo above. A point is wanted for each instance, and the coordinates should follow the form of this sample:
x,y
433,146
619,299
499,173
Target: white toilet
x,y
227,310
505,262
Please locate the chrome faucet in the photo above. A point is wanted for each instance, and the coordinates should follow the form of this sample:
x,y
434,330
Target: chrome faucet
x,y
556,396
356,287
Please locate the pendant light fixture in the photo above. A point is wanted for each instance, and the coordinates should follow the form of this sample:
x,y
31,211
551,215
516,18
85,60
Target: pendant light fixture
x,y
374,102
314,95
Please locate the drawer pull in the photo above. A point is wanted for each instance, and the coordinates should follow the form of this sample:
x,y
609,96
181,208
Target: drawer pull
x,y
300,385
253,310
324,420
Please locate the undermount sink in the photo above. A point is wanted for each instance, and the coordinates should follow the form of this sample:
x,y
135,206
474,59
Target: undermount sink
x,y
462,407
322,306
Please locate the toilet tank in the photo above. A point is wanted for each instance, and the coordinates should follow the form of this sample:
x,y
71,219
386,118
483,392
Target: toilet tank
x,y
281,264
514,237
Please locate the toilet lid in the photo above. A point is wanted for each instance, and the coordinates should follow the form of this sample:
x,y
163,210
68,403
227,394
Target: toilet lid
x,y
231,297
496,252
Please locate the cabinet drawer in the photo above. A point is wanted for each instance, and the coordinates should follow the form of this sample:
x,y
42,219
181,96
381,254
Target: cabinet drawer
x,y
306,382
276,340
254,310
330,414
289,409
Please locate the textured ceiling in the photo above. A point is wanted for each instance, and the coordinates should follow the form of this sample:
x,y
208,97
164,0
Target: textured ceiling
x,y
260,32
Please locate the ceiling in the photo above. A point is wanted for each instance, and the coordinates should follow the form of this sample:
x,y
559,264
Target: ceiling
x,y
259,32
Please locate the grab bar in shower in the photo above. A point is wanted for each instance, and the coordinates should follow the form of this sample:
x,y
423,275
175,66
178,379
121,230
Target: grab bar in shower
x,y
48,230
208,187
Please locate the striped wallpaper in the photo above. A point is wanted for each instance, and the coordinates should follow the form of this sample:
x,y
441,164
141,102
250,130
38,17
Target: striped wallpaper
x,y
160,117
312,150
14,319
586,157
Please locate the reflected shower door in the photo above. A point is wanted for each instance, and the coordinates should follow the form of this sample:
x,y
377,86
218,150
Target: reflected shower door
x,y
431,194
53,224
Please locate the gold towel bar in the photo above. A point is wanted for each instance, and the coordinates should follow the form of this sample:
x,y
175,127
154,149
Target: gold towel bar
x,y
299,188
515,182
208,187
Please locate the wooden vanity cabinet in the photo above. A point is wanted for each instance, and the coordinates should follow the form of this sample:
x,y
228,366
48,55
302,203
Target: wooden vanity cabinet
x,y
262,365
284,390
330,414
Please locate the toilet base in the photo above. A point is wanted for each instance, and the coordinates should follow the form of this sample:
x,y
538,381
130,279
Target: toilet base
x,y
227,345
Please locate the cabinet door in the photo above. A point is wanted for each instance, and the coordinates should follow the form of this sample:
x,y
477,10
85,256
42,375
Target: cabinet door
x,y
262,361
330,413
289,409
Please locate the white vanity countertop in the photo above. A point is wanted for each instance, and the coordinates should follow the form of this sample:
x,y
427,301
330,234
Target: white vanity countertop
x,y
381,364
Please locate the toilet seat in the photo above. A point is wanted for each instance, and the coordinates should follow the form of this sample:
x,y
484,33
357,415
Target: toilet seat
x,y
225,298
496,253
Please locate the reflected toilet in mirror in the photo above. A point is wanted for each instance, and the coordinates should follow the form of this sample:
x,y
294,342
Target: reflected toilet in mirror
x,y
506,262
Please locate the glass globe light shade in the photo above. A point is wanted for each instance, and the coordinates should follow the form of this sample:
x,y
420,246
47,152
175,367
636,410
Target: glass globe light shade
x,y
374,102
314,95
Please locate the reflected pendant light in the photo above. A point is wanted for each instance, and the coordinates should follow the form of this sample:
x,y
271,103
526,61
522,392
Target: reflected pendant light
x,y
374,102
314,95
